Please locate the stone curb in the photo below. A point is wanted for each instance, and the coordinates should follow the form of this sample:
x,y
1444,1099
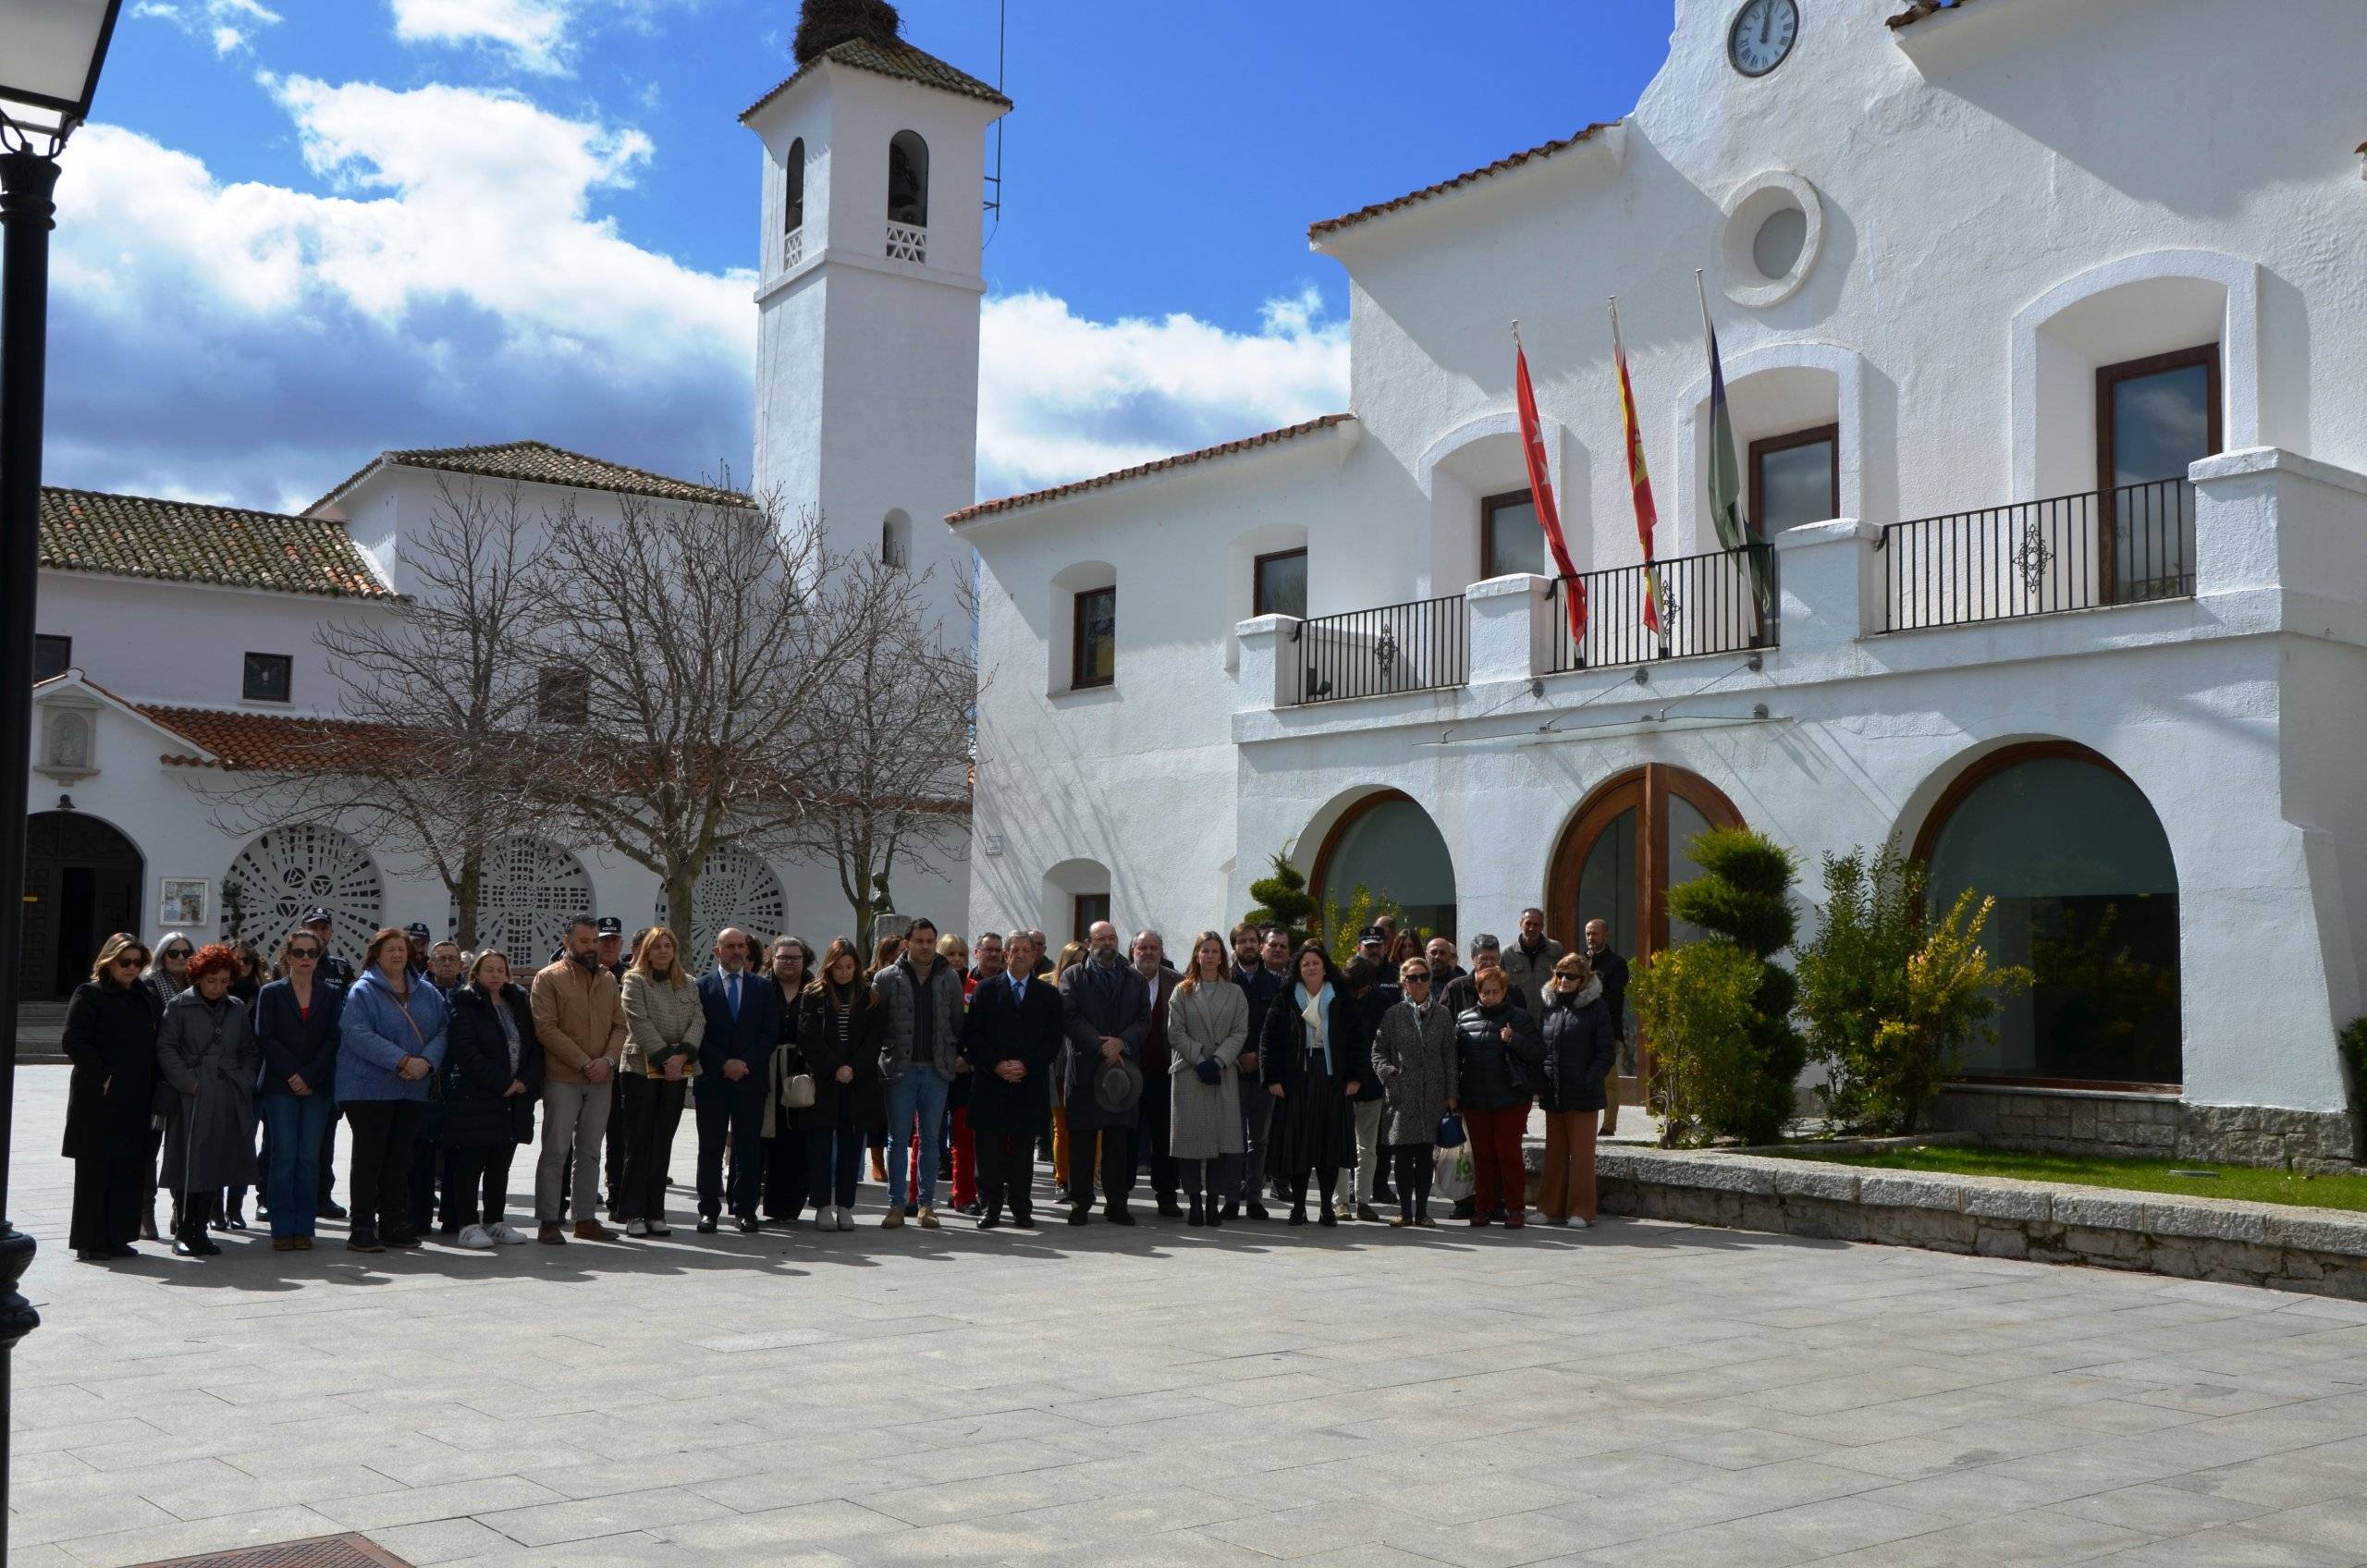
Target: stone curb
x,y
2321,1251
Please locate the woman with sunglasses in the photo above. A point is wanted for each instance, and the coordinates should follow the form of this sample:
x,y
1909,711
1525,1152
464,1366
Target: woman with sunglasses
x,y
296,1029
167,971
111,1039
1413,1054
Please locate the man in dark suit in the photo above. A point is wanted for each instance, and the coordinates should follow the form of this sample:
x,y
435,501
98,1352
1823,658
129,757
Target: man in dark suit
x,y
735,1060
1011,1038
1107,1011
1159,984
1261,985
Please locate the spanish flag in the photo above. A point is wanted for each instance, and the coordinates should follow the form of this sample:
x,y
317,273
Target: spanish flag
x,y
1647,516
1540,491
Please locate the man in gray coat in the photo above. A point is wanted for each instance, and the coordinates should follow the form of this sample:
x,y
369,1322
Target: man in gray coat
x,y
1107,1009
1531,960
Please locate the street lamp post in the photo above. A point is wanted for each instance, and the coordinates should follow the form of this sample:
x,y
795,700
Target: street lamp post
x,y
50,54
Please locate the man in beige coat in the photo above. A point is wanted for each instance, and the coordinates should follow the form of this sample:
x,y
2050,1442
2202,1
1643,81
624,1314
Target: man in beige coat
x,y
580,1018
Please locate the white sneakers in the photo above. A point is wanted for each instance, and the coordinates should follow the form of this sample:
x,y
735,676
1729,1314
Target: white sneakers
x,y
476,1237
828,1218
505,1235
1576,1223
637,1228
660,1227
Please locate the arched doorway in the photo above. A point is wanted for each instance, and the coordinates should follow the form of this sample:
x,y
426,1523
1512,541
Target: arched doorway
x,y
2087,898
1623,851
1387,844
82,881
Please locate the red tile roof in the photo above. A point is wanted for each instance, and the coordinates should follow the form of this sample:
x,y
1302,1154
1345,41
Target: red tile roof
x,y
1920,9
539,463
267,743
1512,161
898,59
1035,497
187,542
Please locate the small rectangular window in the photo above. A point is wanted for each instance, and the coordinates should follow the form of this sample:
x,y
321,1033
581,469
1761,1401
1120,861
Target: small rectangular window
x,y
1795,479
1510,539
52,656
562,695
268,678
1090,909
1281,587
1094,653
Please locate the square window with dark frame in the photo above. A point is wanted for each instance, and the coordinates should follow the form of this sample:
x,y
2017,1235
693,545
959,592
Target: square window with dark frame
x,y
1510,539
562,695
52,656
268,678
1093,652
1089,909
1795,479
1281,584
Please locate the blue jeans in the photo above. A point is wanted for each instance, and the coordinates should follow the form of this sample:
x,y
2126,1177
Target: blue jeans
x,y
918,1097
296,1123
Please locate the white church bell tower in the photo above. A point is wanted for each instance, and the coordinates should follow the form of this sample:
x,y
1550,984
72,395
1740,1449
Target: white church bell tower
x,y
867,335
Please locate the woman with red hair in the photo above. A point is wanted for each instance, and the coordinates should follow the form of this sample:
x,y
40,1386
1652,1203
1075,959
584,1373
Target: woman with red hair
x,y
206,1051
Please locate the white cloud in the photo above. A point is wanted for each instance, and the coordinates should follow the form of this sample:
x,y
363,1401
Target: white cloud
x,y
1063,397
228,24
455,285
534,33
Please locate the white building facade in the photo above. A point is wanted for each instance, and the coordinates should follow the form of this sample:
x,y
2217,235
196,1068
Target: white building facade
x,y
179,642
2040,324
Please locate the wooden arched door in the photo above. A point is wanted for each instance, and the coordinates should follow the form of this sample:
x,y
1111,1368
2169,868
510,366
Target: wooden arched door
x,y
1616,861
83,882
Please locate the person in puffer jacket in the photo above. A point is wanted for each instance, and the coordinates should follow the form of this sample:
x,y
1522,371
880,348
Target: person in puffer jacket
x,y
1579,1049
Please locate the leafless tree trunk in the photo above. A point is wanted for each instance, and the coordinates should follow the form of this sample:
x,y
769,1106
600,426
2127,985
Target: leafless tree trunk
x,y
430,758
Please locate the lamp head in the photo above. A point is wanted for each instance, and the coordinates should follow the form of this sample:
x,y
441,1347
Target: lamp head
x,y
50,70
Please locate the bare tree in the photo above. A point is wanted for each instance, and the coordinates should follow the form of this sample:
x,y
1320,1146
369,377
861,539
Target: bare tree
x,y
432,758
700,634
888,769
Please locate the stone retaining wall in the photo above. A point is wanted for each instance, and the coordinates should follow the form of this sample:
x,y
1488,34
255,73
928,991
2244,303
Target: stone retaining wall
x,y
2319,1251
2149,1126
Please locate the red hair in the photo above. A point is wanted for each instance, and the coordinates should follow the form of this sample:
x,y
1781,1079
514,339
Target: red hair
x,y
215,956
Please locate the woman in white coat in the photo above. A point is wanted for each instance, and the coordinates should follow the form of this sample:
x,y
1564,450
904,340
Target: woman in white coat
x,y
1208,1024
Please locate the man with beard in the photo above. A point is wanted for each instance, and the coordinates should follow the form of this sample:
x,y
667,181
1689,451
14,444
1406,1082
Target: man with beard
x,y
1107,1006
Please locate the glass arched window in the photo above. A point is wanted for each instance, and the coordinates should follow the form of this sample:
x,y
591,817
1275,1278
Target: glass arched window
x,y
1388,845
908,179
2087,898
793,189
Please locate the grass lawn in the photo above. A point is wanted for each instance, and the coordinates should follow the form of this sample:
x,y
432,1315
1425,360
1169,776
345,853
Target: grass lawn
x,y
2247,1183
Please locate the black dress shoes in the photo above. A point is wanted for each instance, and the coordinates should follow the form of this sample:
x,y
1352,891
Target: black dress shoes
x,y
706,1224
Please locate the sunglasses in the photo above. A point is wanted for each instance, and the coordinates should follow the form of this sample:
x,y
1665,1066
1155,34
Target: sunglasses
x,y
1414,974
178,953
129,960
304,952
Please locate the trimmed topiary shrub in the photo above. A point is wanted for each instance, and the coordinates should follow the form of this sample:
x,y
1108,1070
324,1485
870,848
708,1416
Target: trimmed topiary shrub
x,y
1284,900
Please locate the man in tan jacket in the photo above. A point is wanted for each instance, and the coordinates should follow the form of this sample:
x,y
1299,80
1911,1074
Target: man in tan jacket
x,y
580,1018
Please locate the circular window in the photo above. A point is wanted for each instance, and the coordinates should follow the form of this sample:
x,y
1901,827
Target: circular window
x,y
1775,229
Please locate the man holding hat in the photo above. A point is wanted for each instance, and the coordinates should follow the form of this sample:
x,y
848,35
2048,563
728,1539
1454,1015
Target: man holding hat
x,y
1107,1009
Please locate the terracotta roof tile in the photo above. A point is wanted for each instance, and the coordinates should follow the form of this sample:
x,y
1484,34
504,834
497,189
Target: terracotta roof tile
x,y
540,462
267,743
188,541
1035,497
1919,10
1512,161
900,60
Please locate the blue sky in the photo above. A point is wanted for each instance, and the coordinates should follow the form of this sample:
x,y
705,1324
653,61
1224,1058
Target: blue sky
x,y
303,231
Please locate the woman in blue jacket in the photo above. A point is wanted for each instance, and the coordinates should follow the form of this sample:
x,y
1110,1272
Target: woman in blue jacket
x,y
390,1046
296,1027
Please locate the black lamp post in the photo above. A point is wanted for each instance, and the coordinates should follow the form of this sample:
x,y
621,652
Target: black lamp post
x,y
50,54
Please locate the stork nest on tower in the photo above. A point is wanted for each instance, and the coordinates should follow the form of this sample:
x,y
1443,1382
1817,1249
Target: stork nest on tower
x,y
825,24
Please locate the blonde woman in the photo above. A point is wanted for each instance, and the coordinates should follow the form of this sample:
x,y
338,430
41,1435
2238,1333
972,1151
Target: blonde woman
x,y
1208,1024
665,1020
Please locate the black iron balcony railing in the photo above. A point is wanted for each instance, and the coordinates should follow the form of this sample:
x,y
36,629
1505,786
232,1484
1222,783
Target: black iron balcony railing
x,y
2119,546
1719,603
1420,647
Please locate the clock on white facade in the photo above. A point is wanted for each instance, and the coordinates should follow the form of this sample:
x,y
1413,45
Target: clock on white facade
x,y
1762,34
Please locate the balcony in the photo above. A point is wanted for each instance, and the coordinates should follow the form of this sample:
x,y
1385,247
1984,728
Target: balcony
x,y
2128,546
907,243
2265,539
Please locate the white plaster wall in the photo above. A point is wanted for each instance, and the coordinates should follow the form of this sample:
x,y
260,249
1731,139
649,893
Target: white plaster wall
x,y
187,642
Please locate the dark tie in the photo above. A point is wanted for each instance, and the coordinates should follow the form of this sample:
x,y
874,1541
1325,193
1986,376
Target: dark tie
x,y
731,990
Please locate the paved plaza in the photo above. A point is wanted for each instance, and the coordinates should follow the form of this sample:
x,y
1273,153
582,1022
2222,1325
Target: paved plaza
x,y
1641,1394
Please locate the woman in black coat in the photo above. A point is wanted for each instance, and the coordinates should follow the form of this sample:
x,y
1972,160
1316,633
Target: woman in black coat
x,y
838,1033
493,1076
1314,1071
1579,1050
789,963
296,1030
1499,1058
111,1039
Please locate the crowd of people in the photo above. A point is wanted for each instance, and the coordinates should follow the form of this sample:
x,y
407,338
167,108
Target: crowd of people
x,y
1243,1071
